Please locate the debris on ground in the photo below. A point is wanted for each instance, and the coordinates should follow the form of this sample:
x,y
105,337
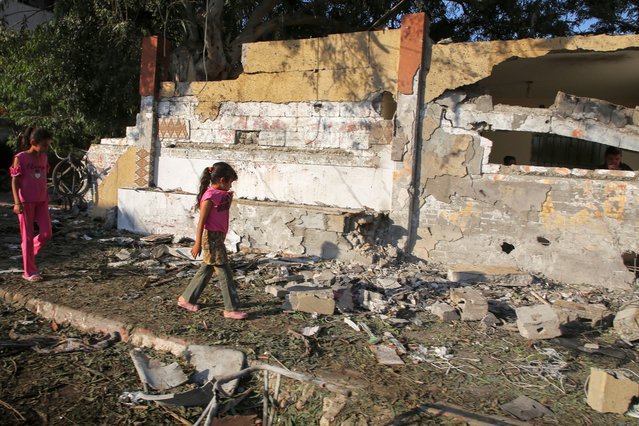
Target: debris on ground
x,y
417,328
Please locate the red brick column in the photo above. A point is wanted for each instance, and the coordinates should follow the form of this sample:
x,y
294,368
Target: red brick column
x,y
153,70
411,50
414,51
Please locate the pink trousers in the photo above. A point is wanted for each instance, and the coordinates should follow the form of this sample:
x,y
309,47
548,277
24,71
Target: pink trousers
x,y
31,245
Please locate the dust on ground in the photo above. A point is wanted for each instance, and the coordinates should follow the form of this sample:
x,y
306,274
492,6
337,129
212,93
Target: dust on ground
x,y
479,369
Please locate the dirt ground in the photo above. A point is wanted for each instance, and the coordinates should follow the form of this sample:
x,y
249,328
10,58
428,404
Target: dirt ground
x,y
483,367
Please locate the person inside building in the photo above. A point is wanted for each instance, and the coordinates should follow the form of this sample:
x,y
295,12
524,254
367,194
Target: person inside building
x,y
613,157
510,160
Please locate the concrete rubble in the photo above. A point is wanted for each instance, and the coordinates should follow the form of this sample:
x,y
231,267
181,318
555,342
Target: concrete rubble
x,y
391,294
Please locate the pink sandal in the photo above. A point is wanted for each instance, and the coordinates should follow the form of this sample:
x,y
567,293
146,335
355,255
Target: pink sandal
x,y
236,315
182,303
33,278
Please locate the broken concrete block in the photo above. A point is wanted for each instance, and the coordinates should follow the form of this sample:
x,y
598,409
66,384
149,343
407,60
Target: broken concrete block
x,y
525,408
386,355
571,311
345,302
490,320
499,275
387,283
444,311
325,277
276,291
313,301
610,394
626,324
538,322
372,301
472,304
484,103
332,406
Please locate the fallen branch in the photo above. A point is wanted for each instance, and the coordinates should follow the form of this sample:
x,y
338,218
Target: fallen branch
x,y
211,410
15,412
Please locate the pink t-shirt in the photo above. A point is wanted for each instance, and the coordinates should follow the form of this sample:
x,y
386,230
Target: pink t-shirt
x,y
33,177
218,219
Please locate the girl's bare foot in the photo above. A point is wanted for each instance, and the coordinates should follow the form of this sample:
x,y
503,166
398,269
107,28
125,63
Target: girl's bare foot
x,y
235,315
182,303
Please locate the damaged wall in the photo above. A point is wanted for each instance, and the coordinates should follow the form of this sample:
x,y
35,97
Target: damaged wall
x,y
348,128
571,225
308,125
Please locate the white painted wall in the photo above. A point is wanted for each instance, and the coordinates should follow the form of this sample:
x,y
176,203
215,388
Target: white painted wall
x,y
311,184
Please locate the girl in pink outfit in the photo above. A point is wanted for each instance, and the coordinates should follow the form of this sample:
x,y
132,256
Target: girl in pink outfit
x,y
30,198
214,201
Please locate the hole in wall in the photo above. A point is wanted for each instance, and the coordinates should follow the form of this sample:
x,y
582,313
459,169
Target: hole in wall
x,y
631,260
543,241
507,247
385,105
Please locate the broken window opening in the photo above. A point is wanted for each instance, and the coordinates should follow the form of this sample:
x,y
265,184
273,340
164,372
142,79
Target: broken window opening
x,y
549,150
631,260
507,247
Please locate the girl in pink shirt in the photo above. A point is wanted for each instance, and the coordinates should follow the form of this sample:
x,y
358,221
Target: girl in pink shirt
x,y
30,198
214,201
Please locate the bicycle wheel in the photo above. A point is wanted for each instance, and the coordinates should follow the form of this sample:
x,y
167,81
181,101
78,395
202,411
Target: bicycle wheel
x,y
70,179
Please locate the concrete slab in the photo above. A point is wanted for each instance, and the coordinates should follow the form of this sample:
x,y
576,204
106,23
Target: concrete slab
x,y
496,274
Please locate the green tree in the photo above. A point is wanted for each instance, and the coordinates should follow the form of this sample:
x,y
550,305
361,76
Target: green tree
x,y
78,74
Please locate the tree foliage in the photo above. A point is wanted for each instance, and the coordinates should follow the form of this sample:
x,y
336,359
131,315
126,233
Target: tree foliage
x,y
78,74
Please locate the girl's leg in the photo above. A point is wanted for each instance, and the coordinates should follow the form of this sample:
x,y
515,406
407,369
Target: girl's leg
x,y
26,231
41,217
227,285
198,283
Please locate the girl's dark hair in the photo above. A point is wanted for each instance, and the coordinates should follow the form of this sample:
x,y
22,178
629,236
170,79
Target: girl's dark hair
x,y
212,175
36,134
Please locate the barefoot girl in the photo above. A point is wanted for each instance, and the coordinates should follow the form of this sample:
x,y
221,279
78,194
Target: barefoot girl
x,y
214,201
30,198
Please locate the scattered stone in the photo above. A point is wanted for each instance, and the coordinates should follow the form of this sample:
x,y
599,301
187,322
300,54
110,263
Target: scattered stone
x,y
372,301
610,394
386,355
387,283
490,320
310,331
332,406
158,239
159,251
344,299
119,264
150,263
472,304
276,291
538,322
444,311
325,277
626,324
318,301
123,254
525,408
287,278
571,311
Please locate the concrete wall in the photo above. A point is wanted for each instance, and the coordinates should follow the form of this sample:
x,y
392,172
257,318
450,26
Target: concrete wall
x,y
359,140
571,225
308,125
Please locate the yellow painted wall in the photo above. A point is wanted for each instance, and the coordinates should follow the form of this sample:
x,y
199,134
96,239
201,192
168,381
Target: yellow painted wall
x,y
340,67
121,175
460,64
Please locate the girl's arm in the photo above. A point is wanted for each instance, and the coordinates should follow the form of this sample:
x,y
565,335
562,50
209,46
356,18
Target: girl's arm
x,y
15,182
205,209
